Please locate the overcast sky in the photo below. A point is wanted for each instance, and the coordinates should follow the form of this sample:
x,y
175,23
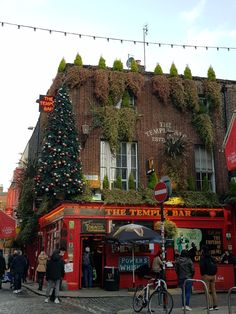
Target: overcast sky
x,y
29,59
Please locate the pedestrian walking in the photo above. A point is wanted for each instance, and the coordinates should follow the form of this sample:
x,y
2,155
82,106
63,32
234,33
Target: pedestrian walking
x,y
41,268
18,267
2,267
185,270
54,273
157,266
208,270
11,273
62,252
87,265
25,274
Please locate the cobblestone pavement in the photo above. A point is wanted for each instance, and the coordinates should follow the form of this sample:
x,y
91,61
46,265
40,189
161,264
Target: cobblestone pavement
x,y
27,302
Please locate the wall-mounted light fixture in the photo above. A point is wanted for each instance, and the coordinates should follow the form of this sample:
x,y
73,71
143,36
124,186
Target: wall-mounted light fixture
x,y
85,134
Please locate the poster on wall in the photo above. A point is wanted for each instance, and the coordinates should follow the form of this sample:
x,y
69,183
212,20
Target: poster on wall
x,y
187,237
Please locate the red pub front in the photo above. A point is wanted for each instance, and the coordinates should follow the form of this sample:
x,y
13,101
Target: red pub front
x,y
77,225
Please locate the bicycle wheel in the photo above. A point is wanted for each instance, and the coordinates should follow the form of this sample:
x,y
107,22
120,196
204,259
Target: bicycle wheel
x,y
160,301
139,299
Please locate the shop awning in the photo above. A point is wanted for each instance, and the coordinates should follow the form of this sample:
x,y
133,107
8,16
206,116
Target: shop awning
x,y
7,226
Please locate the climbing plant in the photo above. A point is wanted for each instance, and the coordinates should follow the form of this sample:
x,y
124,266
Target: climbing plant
x,y
160,85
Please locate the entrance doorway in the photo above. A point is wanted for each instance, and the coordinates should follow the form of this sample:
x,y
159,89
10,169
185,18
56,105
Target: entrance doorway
x,y
96,245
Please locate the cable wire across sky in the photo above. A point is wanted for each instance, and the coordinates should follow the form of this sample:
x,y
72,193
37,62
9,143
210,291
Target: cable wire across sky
x,y
121,40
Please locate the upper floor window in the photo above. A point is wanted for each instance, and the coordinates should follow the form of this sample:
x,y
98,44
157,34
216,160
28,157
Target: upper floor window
x,y
204,167
126,101
204,104
121,165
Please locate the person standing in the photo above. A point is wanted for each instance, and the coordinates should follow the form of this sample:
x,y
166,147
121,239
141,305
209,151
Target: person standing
x,y
87,265
18,267
157,266
2,267
208,270
25,274
10,260
185,270
192,251
54,273
41,268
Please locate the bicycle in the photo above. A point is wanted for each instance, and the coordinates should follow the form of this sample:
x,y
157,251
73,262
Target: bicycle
x,y
159,301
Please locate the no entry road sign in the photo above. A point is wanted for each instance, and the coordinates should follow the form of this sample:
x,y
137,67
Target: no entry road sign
x,y
161,192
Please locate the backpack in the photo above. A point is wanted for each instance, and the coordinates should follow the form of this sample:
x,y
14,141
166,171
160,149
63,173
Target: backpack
x,y
211,267
86,259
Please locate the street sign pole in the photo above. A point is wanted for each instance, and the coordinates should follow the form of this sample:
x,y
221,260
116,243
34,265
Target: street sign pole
x,y
161,195
163,253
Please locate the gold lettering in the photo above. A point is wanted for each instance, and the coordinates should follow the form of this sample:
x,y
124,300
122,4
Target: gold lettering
x,y
188,213
146,212
132,212
175,213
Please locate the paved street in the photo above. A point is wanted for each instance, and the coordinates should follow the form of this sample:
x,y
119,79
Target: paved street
x,y
28,302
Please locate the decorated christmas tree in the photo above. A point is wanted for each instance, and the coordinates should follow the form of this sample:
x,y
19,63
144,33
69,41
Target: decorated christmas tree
x,y
59,169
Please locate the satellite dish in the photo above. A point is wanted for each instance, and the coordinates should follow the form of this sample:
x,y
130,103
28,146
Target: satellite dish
x,y
129,61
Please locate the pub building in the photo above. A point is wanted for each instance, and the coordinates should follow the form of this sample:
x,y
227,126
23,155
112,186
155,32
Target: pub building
x,y
76,226
150,129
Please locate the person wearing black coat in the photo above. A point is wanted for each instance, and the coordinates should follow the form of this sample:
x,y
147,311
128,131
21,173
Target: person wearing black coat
x,y
18,268
2,267
185,270
208,270
54,273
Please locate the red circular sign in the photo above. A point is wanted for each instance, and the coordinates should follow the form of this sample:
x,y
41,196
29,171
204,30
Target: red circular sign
x,y
160,192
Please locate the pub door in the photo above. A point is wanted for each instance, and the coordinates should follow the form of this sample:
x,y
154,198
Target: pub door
x,y
96,244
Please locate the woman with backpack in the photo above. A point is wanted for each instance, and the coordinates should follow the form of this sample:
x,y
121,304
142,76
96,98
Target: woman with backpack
x,y
208,269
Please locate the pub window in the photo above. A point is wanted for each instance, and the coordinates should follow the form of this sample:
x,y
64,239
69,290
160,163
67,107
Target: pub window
x,y
121,165
126,101
204,167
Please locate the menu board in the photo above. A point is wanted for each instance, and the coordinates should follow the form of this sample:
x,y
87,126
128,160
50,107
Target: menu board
x,y
213,239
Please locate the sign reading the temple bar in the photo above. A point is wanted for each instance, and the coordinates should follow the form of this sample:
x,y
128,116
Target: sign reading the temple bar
x,y
46,103
93,226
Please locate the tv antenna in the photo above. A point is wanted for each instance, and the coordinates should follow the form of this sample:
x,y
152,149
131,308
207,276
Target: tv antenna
x,y
145,32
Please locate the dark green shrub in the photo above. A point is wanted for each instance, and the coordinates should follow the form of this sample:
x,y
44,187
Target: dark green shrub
x,y
134,66
188,73
78,60
118,183
105,184
117,65
102,63
205,185
191,184
131,182
211,74
158,70
173,70
62,66
152,180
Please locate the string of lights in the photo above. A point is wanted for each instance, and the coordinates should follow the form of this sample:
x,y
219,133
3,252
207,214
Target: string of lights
x,y
121,40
